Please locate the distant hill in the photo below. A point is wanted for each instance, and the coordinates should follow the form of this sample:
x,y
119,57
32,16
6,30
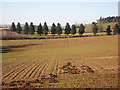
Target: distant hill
x,y
109,19
100,25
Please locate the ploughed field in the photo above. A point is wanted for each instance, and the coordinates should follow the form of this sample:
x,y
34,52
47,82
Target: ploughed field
x,y
87,62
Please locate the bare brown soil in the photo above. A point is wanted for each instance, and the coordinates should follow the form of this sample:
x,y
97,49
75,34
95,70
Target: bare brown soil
x,y
46,79
110,57
90,60
27,83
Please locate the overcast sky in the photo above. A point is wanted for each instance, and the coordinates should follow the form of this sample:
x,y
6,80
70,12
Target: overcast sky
x,y
62,12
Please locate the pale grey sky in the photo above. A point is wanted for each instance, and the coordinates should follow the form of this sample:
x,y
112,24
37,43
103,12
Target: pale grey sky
x,y
62,12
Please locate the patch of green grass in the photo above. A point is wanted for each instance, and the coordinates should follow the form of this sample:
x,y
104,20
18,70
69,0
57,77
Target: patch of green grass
x,y
104,26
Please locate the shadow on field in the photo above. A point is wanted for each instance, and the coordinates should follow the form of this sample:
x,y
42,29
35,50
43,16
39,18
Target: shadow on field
x,y
6,49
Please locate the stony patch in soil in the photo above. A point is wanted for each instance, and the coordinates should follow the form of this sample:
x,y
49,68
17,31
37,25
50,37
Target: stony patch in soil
x,y
70,69
85,68
27,83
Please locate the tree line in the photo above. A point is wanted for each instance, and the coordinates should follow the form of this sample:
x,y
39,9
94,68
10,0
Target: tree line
x,y
43,30
30,29
109,19
116,29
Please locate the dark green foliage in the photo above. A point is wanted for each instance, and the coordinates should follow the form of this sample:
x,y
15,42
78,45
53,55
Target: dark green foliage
x,y
53,29
40,30
115,29
18,29
58,29
81,29
45,29
13,28
119,29
108,30
93,22
94,28
109,19
67,29
26,28
73,30
31,29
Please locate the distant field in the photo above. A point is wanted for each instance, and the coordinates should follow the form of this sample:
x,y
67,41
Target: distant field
x,y
104,26
4,28
31,59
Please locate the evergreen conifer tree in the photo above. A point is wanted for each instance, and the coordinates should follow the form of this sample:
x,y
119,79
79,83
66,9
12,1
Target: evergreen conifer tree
x,y
45,29
18,29
94,28
81,29
26,28
58,29
119,29
108,30
67,29
73,30
115,29
53,29
13,28
31,29
40,30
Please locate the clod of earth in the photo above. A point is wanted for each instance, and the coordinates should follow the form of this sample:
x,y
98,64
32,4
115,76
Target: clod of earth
x,y
87,68
27,84
68,68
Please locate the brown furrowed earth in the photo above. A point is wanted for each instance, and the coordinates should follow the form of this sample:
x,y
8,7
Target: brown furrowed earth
x,y
87,62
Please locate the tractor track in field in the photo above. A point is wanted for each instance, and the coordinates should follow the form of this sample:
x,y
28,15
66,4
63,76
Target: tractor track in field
x,y
78,64
16,71
94,65
22,70
52,68
23,74
32,70
18,66
28,70
49,68
43,71
58,71
55,67
12,71
40,69
62,64
36,69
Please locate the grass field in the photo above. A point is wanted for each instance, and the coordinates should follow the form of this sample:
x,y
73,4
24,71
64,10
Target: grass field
x,y
31,59
103,25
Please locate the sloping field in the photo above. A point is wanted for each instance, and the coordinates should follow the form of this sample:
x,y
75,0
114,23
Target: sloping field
x,y
103,25
33,59
12,35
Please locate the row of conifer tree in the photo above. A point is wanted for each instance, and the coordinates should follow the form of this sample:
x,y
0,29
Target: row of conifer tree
x,y
30,29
